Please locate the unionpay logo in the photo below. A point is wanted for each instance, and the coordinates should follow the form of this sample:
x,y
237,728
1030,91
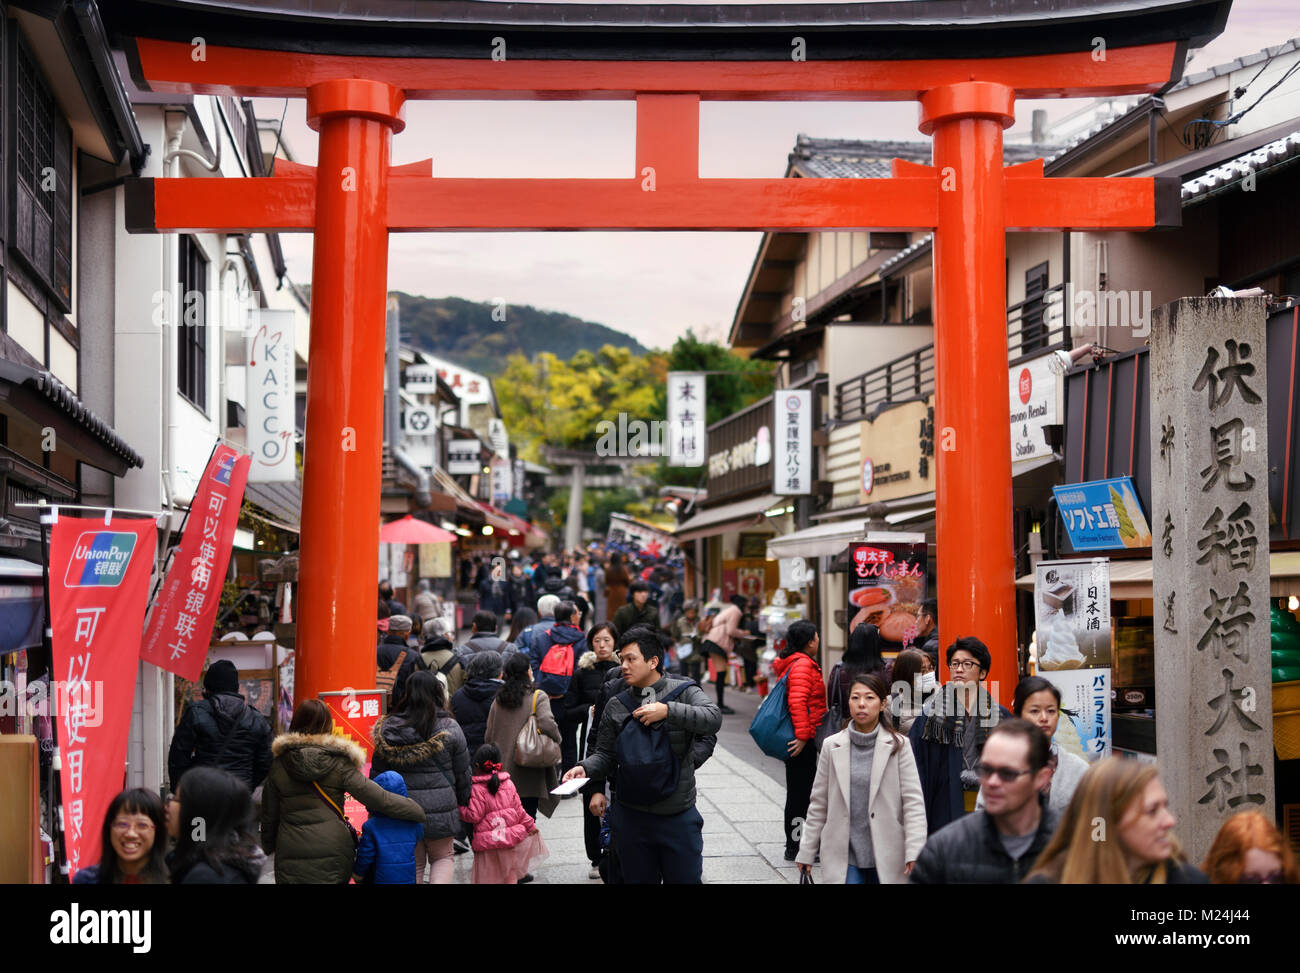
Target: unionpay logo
x,y
225,467
99,559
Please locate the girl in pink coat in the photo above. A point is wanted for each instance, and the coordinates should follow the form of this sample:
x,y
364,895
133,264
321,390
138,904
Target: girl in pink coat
x,y
506,840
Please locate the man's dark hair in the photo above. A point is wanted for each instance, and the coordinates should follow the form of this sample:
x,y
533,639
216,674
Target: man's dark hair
x,y
975,647
647,640
384,609
485,621
798,635
931,607
1039,746
386,589
565,611
639,585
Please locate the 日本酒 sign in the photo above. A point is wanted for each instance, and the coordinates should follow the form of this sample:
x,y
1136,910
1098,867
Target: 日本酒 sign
x,y
1103,514
180,627
270,397
99,587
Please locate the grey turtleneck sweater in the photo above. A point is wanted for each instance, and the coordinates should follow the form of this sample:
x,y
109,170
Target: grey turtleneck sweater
x,y
862,752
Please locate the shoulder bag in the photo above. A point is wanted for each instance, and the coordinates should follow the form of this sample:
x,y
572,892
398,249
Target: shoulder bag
x,y
356,838
532,747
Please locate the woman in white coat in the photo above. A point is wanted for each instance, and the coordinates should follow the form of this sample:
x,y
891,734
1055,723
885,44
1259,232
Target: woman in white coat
x,y
867,814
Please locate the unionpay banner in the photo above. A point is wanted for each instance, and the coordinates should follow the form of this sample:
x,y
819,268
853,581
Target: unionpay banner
x,y
99,586
180,627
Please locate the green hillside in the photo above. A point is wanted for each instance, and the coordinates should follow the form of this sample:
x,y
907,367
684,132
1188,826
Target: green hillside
x,y
465,333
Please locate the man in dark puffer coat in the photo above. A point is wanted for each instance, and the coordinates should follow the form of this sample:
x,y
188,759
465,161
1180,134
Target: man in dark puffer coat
x,y
221,730
472,703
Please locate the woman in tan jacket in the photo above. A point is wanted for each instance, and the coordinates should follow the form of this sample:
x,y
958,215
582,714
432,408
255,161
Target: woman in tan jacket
x,y
509,714
867,814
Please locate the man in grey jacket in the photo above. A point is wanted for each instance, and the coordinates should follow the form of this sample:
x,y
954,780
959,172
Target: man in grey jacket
x,y
662,840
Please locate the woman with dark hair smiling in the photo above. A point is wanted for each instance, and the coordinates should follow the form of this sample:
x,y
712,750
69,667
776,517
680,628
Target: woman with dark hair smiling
x,y
424,743
215,844
134,843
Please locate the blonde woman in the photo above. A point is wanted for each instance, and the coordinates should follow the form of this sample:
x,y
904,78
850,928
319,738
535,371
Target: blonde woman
x,y
867,814
1138,846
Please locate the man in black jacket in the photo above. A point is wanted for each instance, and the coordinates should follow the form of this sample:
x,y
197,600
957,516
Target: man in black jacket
x,y
221,730
391,646
1000,843
656,839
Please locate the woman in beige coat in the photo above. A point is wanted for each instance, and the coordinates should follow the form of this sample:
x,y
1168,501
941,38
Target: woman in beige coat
x,y
509,714
867,813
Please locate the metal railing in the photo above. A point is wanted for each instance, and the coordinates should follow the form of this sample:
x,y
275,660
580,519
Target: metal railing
x,y
1034,326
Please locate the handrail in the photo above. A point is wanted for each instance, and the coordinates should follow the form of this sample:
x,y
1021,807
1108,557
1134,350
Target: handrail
x,y
1033,329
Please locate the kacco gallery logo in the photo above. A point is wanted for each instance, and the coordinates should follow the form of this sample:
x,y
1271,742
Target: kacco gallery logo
x,y
99,559
225,467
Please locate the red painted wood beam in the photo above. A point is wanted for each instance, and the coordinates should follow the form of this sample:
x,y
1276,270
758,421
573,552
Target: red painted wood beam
x,y
169,66
418,203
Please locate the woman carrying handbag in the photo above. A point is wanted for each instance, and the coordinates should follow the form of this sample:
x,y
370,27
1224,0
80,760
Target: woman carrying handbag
x,y
521,715
867,813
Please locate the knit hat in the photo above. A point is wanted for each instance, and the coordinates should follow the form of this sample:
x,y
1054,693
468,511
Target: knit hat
x,y
221,677
399,623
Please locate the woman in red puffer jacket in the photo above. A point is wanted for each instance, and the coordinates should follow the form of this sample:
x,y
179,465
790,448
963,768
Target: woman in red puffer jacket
x,y
806,697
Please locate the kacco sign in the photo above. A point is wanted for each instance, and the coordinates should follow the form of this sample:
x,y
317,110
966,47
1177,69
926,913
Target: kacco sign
x,y
270,402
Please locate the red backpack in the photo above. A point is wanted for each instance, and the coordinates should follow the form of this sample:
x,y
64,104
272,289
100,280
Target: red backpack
x,y
556,670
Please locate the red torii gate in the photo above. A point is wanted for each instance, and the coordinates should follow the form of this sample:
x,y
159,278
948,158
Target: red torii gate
x,y
353,198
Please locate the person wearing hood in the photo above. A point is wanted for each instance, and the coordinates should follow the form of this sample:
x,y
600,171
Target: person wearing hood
x,y
423,743
211,818
221,730
386,852
472,703
394,645
302,801
638,611
556,664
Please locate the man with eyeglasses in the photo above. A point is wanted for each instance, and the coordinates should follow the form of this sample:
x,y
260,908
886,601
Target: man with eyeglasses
x,y
1000,843
950,733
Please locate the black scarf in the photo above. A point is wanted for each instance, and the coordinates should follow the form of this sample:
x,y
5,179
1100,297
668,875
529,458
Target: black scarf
x,y
941,725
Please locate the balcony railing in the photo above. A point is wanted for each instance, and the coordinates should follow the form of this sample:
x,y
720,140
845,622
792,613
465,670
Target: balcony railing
x,y
1034,326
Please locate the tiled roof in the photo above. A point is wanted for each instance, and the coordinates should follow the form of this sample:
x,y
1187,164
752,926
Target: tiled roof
x,y
904,255
859,159
1187,81
1283,150
66,400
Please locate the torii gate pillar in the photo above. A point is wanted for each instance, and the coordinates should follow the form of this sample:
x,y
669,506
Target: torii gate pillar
x,y
343,459
973,506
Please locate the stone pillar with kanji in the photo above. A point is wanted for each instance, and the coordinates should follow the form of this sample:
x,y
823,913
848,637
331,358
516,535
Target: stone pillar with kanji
x,y
1210,526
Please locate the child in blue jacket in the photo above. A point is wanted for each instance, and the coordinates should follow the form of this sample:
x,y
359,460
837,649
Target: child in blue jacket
x,y
386,853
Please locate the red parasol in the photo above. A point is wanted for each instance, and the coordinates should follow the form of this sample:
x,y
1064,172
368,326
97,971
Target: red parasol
x,y
408,530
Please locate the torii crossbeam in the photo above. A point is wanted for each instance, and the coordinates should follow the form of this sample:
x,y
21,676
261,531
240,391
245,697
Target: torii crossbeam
x,y
357,71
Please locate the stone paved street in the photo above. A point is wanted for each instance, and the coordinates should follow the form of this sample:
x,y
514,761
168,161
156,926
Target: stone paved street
x,y
743,839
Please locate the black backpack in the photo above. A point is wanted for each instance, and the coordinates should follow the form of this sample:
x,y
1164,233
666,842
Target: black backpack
x,y
648,770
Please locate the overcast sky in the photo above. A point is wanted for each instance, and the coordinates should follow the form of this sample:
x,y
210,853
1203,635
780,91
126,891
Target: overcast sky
x,y
652,286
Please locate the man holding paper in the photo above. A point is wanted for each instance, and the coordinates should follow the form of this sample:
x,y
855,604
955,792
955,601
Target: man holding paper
x,y
644,742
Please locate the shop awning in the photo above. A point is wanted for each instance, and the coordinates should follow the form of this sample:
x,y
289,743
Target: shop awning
x,y
1132,579
824,540
464,502
728,516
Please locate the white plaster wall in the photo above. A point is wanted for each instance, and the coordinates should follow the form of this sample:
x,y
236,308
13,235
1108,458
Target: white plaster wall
x,y
25,324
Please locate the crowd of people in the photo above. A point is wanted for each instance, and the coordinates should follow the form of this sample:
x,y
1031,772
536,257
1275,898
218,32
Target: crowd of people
x,y
890,777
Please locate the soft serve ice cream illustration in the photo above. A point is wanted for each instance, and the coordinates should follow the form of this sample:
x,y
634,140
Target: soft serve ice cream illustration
x,y
1062,646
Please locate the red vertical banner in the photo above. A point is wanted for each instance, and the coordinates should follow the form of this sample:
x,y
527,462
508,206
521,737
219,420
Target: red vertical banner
x,y
99,587
355,714
180,627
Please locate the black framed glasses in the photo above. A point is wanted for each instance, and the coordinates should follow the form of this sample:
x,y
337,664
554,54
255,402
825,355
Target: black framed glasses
x,y
1005,774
